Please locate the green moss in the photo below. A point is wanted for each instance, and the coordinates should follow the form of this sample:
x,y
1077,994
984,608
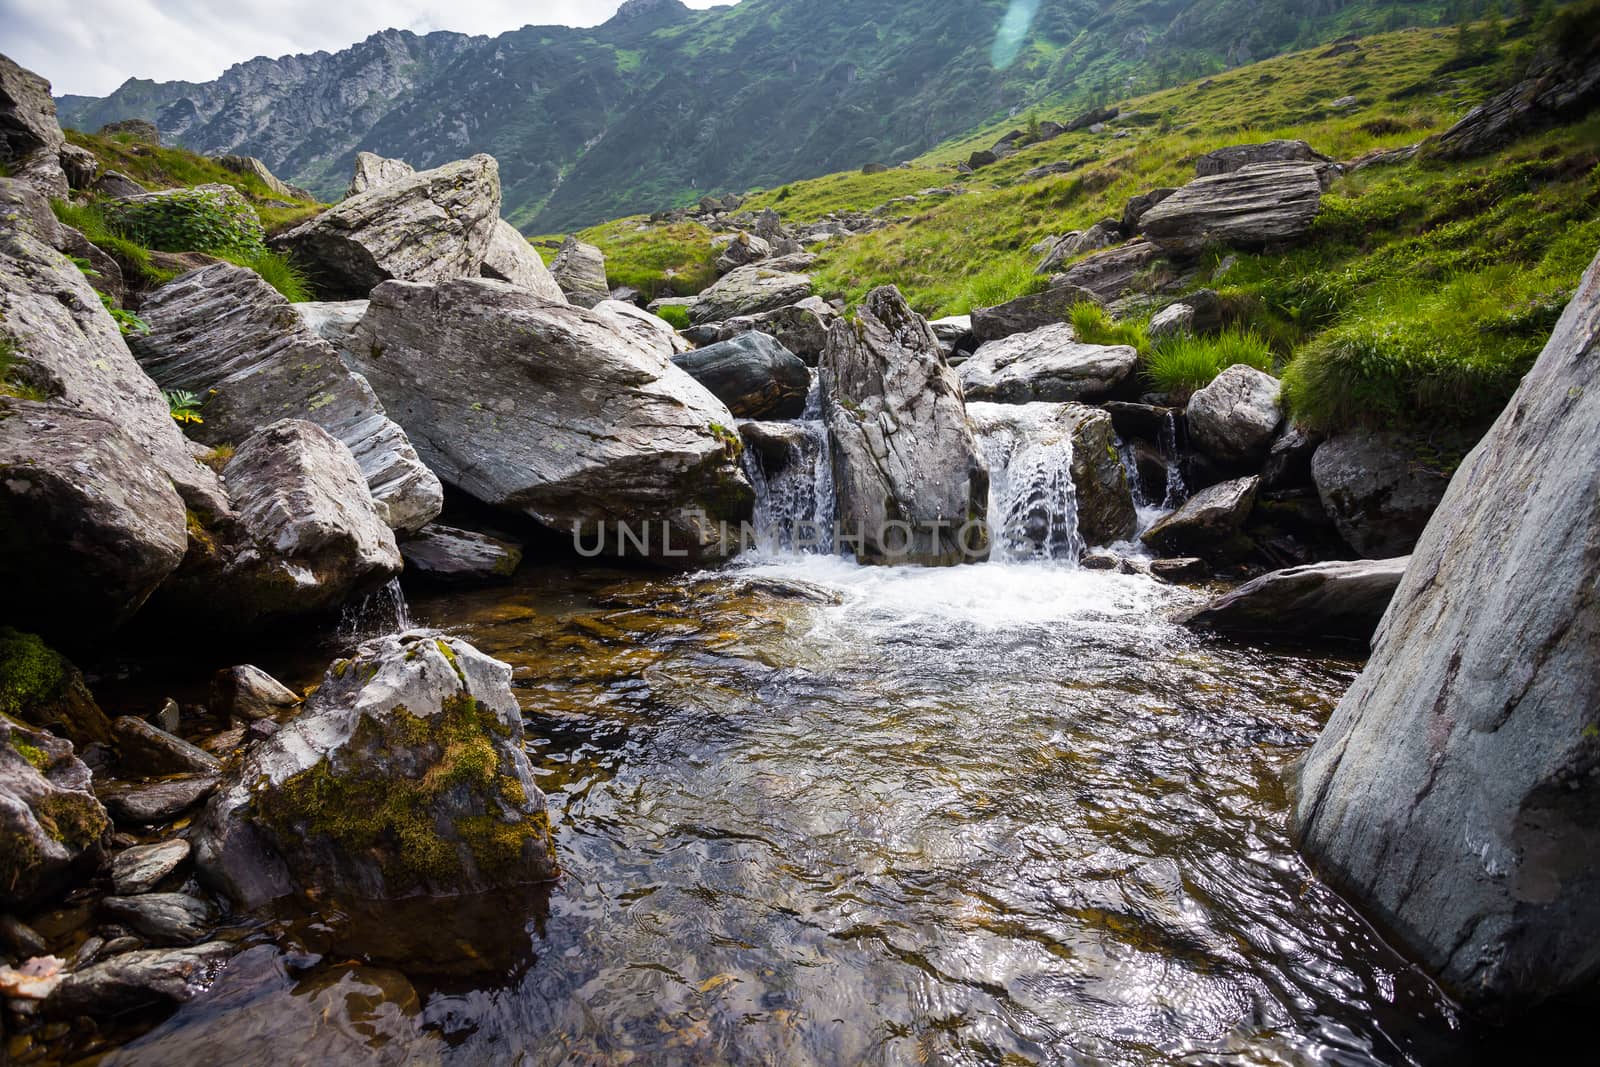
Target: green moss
x,y
30,673
74,819
398,818
32,754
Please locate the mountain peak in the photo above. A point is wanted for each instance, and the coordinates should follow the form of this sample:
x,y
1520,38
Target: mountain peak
x,y
634,10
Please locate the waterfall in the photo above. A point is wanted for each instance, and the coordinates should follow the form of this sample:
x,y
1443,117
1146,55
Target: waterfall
x,y
1173,494
1176,492
382,611
1033,504
795,504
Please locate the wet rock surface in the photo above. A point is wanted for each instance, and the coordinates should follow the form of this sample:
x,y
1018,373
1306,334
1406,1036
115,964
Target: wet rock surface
x,y
755,375
1320,601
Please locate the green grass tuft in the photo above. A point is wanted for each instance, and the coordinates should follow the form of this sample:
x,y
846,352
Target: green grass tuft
x,y
1094,325
278,271
1178,366
676,316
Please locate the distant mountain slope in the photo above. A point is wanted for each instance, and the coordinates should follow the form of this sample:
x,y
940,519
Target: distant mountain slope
x,y
661,103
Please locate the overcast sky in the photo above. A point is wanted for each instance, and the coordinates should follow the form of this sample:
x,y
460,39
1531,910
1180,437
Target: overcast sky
x,y
93,46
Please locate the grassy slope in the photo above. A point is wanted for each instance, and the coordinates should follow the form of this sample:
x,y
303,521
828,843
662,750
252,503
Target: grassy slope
x,y
1422,296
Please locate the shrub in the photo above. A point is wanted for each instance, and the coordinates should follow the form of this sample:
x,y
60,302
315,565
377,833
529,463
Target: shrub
x,y
190,220
1095,326
133,257
1180,365
675,314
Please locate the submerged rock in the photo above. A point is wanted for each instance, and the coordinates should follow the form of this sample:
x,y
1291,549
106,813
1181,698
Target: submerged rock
x,y
1377,491
404,775
428,226
450,556
1262,203
1045,364
136,980
511,258
1452,795
753,374
1234,418
909,473
1103,498
580,271
1209,525
1317,601
224,333
554,415
51,827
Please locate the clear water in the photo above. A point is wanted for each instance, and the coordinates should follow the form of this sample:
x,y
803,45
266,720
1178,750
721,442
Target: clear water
x,y
812,813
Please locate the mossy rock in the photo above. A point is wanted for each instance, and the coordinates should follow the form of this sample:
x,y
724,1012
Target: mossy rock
x,y
39,686
52,828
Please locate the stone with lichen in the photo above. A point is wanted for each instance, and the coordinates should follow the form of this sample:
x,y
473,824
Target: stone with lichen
x,y
403,776
51,826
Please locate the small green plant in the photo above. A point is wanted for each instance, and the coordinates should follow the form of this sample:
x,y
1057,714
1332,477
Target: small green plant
x,y
1094,325
675,314
184,405
190,220
126,320
1178,366
11,383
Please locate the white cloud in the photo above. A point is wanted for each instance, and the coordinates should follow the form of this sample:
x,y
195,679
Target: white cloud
x,y
92,46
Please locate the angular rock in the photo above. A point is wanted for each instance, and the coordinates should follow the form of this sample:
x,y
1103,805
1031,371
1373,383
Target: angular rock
x,y
1026,313
543,409
1235,417
405,774
43,689
89,525
903,451
511,258
580,271
753,374
447,555
1562,83
318,536
30,137
1049,363
137,980
749,291
144,803
802,327
1236,157
1452,794
1321,601
1111,273
1288,462
51,827
642,328
334,321
1259,204
163,918
1023,441
141,130
247,692
1102,234
1210,525
251,166
223,333
151,750
1196,315
1133,211
743,250
141,868
1377,490
80,165
1181,570
427,227
373,171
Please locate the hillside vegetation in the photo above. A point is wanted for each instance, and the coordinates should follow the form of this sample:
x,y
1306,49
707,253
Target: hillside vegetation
x,y
1421,297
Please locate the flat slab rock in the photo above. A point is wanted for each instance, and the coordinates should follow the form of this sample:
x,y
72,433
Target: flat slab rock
x,y
748,291
140,868
1259,204
1045,364
1339,600
448,555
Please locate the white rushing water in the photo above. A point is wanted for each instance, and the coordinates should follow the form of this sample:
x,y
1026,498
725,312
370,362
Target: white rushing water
x,y
382,611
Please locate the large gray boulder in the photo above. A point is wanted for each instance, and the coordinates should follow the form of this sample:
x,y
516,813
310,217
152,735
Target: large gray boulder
x,y
800,327
1028,313
911,479
224,333
1233,419
1024,446
511,258
1113,272
580,271
1209,525
1259,204
1377,490
1238,156
67,346
545,409
51,827
1320,601
1049,363
89,525
30,137
372,171
753,374
749,291
429,226
1452,794
403,775
641,327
